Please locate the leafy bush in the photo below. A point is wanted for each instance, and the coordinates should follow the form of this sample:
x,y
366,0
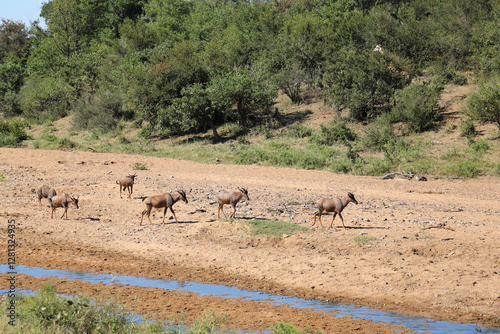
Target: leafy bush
x,y
467,129
13,132
364,82
479,146
465,169
336,131
102,114
415,107
378,135
298,130
47,312
46,99
287,328
484,103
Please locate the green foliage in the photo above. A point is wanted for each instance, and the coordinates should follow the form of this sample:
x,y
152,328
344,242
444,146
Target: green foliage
x,y
298,130
468,129
210,323
415,107
11,80
139,166
273,227
464,169
379,135
2,178
288,328
280,154
13,132
335,132
484,103
46,312
102,114
46,99
365,239
364,82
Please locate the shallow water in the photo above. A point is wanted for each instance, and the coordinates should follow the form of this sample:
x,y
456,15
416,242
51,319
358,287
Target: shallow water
x,y
418,324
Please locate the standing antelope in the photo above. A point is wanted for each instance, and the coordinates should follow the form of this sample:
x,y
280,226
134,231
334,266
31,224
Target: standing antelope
x,y
335,205
166,201
62,200
45,192
231,197
127,182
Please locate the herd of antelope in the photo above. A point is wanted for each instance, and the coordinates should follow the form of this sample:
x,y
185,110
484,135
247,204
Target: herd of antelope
x,y
167,200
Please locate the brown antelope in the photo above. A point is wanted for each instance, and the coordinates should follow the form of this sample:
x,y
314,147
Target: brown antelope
x,y
231,197
45,192
127,182
166,201
335,205
62,200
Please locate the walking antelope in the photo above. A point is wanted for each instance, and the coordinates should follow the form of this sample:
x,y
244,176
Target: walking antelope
x,y
231,197
335,205
166,201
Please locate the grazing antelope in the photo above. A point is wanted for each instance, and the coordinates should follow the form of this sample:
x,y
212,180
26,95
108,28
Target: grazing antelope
x,y
62,200
335,205
45,192
166,201
231,197
127,182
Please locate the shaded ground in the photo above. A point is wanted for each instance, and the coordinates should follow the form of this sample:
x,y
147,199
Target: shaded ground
x,y
417,248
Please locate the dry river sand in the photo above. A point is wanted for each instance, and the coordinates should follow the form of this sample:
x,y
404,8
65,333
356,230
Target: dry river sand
x,y
418,248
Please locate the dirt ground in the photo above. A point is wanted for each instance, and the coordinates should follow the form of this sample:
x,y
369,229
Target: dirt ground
x,y
418,248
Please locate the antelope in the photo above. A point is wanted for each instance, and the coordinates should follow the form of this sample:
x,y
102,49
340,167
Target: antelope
x,y
166,201
127,182
45,192
231,197
62,200
335,205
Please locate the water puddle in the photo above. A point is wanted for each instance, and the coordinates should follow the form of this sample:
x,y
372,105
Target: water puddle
x,y
418,324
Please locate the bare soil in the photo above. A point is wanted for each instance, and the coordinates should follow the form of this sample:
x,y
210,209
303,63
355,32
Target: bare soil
x,y
417,248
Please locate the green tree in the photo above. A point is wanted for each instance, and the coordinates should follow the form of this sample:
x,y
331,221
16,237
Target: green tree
x,y
365,82
14,40
194,109
484,103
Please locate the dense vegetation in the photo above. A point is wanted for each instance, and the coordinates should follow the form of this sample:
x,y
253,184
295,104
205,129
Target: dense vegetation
x,y
48,312
175,67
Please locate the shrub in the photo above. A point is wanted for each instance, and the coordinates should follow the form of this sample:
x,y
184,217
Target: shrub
x,y
465,169
467,129
484,103
378,135
47,312
479,146
336,131
13,132
102,114
287,328
298,130
415,107
46,99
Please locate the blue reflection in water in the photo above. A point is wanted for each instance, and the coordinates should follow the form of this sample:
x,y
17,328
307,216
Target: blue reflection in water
x,y
418,324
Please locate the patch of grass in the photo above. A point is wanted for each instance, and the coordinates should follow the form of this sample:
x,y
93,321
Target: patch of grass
x,y
365,239
287,328
2,178
139,166
276,228
464,169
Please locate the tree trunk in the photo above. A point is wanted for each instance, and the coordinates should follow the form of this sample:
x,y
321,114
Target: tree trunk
x,y
216,137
